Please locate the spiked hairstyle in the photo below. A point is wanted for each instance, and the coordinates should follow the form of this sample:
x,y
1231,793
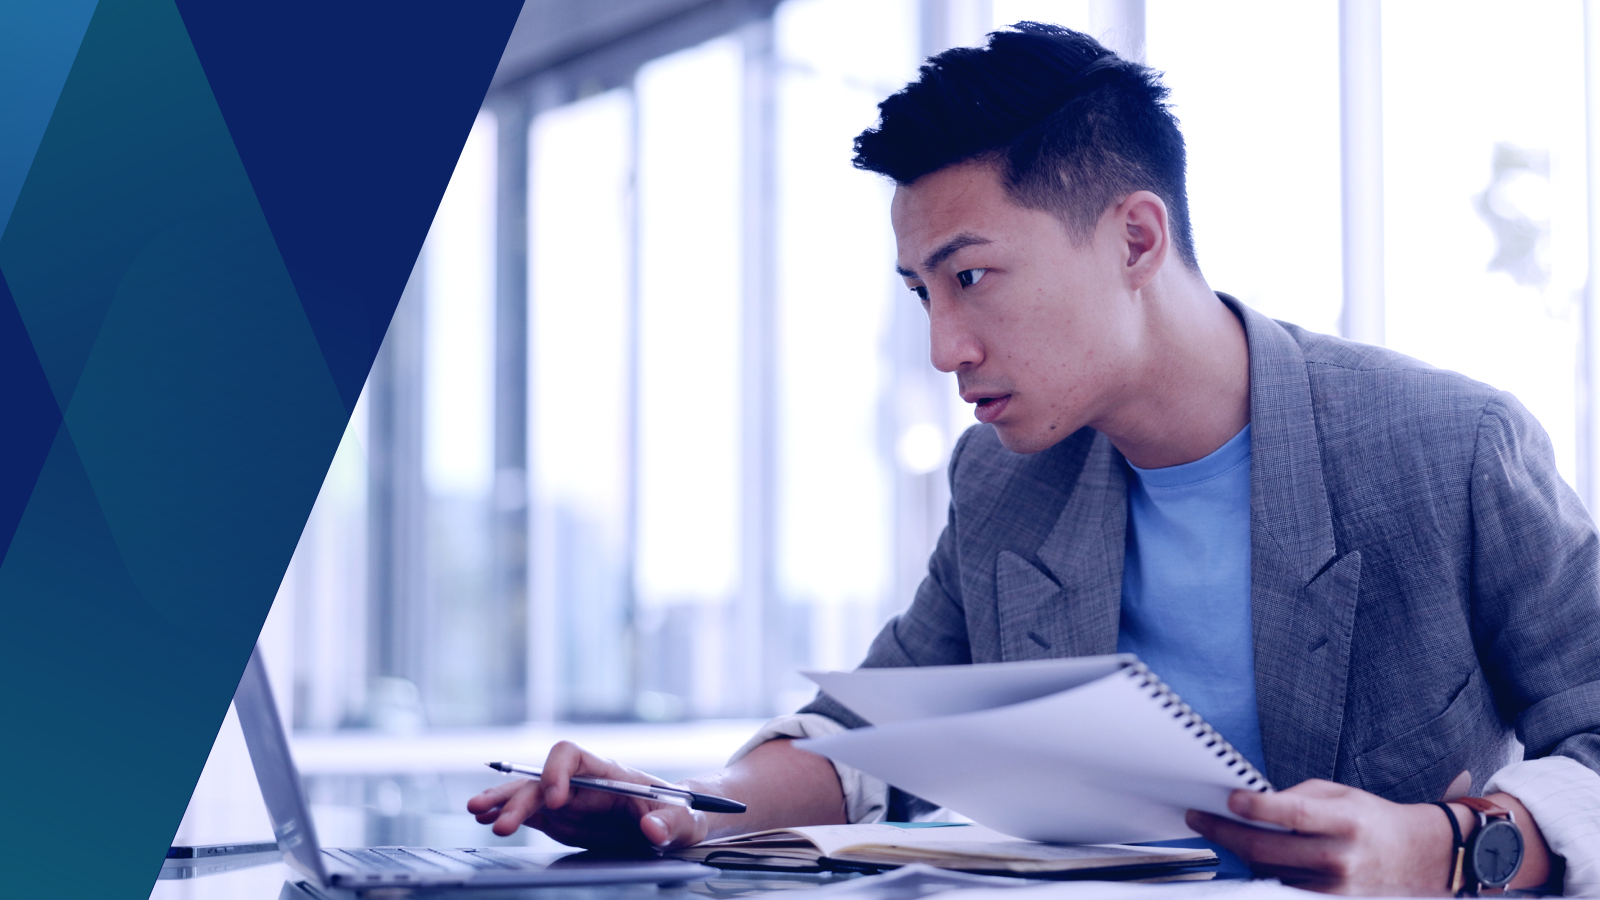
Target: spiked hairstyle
x,y
1072,127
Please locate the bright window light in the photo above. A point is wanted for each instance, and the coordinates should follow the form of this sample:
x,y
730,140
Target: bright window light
x,y
458,278
1255,86
836,280
689,325
1471,148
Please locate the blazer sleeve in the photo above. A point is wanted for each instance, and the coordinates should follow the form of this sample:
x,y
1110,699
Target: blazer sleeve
x,y
933,630
1535,588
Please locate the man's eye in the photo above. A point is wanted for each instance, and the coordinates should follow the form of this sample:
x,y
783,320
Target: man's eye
x,y
969,277
921,291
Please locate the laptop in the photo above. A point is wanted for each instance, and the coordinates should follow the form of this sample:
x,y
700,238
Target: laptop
x,y
366,868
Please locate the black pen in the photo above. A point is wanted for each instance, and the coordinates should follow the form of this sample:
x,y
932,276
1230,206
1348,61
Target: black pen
x,y
656,792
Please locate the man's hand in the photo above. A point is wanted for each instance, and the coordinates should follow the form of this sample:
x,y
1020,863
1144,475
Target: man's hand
x,y
782,787
592,819
1347,841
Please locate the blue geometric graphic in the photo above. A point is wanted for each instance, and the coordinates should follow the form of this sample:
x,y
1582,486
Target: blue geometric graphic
x,y
203,250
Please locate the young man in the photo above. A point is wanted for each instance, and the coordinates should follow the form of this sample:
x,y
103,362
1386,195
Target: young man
x,y
1364,571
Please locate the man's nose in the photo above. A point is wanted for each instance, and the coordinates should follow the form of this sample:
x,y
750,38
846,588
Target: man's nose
x,y
952,345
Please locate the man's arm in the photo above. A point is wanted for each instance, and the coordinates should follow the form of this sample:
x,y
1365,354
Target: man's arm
x,y
781,786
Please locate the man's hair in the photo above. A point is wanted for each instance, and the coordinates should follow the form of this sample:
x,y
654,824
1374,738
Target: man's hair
x,y
1071,127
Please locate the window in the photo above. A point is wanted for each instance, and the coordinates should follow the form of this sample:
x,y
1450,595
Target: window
x,y
733,442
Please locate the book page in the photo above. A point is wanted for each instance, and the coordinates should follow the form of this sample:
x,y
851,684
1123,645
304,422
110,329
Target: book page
x,y
831,839
971,846
1102,763
1013,850
885,696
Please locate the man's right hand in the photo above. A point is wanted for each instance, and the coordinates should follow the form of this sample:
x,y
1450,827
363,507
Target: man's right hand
x,y
588,818
782,786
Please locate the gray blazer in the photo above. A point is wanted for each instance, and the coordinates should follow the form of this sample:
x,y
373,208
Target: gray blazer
x,y
1425,589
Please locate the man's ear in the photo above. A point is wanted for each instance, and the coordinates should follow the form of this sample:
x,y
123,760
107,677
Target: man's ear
x,y
1142,232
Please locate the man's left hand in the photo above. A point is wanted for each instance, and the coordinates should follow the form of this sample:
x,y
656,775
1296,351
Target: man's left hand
x,y
1344,840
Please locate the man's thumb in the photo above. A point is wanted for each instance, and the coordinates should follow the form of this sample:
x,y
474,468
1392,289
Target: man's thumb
x,y
668,829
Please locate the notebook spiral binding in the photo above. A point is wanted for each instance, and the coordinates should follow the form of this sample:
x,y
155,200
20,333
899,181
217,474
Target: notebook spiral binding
x,y
1199,727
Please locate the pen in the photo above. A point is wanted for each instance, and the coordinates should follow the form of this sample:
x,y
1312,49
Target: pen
x,y
656,792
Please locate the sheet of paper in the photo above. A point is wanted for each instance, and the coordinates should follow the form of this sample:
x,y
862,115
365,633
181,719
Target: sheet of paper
x,y
830,839
913,882
889,887
885,696
975,844
1103,763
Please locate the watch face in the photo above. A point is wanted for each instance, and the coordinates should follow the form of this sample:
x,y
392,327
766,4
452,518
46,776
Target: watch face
x,y
1497,852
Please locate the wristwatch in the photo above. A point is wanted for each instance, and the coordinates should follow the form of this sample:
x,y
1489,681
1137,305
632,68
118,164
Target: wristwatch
x,y
1492,856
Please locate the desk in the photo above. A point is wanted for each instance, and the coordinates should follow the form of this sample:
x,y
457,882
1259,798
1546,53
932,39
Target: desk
x,y
275,882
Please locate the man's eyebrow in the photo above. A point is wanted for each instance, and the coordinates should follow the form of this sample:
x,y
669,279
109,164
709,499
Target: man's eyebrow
x,y
964,239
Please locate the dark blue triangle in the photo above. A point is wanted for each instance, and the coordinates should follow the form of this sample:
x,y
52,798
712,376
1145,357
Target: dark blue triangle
x,y
349,118
29,417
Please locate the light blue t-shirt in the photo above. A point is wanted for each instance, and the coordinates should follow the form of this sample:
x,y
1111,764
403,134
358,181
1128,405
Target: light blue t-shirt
x,y
1186,587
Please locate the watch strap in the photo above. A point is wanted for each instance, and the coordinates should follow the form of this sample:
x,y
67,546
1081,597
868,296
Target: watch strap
x,y
1458,853
1487,807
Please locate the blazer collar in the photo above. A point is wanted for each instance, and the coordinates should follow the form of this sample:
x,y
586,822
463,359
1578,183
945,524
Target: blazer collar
x,y
1302,592
1084,551
1288,501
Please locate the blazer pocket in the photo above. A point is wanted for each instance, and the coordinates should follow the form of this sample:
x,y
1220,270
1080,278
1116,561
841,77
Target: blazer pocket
x,y
1029,610
1417,765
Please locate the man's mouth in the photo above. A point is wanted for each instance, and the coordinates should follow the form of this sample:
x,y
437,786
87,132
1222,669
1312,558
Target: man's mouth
x,y
989,408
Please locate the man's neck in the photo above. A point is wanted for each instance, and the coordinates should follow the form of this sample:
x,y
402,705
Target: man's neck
x,y
1189,386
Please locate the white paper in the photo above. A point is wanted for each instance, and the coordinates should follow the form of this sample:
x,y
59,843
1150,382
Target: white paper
x,y
884,696
833,839
1100,763
913,882
1022,889
965,840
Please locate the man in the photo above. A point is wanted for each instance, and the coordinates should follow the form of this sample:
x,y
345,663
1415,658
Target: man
x,y
1364,571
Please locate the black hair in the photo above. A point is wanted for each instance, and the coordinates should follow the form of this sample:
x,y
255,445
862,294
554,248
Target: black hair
x,y
1072,126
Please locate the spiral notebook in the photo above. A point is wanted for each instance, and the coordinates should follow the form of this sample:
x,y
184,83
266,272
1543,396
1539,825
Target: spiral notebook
x,y
1087,750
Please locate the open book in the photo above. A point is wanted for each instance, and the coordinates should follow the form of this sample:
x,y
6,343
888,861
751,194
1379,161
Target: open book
x,y
971,848
1084,751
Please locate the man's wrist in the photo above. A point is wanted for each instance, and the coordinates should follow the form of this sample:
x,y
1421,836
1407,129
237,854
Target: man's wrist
x,y
1537,861
1454,833
1476,814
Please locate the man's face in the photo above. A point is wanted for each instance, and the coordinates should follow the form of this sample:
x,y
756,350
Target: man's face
x,y
1037,329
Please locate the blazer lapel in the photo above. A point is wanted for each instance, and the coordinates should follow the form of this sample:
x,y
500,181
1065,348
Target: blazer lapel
x,y
1302,591
1071,607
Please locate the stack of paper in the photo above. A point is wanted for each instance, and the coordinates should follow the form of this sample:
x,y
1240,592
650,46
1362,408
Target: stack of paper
x,y
972,848
1088,750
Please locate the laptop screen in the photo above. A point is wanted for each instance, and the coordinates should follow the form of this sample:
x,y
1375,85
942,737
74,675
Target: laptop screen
x,y
275,772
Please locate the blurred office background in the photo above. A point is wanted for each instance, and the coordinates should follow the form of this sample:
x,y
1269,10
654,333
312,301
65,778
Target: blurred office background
x,y
654,425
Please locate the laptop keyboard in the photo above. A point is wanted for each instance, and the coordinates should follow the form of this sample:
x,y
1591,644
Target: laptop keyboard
x,y
424,859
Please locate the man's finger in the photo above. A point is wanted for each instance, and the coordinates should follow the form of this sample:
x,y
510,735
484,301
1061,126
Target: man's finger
x,y
524,803
567,759
564,761
488,815
1309,856
1309,811
668,828
494,797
